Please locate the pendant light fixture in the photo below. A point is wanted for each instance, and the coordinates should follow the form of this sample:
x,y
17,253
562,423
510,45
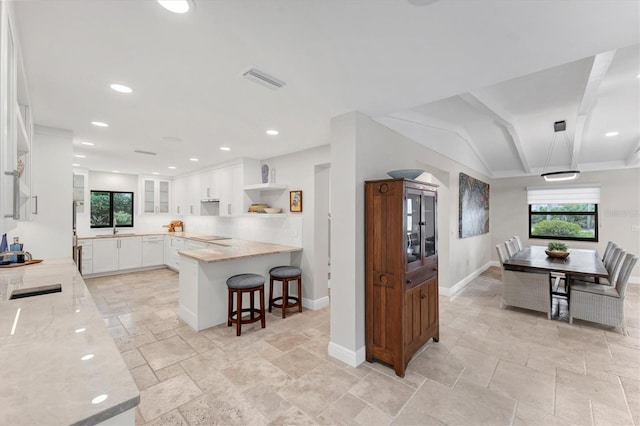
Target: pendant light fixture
x,y
560,127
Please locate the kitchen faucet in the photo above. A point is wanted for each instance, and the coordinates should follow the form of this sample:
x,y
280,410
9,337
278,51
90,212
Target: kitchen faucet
x,y
115,231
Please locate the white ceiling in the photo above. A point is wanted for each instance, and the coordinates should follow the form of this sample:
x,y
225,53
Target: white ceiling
x,y
493,74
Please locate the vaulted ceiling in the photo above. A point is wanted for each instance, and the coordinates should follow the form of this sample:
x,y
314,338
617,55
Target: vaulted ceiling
x,y
492,76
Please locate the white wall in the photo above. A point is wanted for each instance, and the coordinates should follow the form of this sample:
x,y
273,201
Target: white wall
x,y
362,149
48,234
618,211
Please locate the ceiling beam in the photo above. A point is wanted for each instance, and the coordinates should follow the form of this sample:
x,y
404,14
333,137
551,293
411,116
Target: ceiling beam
x,y
599,68
502,118
433,123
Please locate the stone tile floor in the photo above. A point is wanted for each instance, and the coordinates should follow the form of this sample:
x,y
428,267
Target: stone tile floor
x,y
492,366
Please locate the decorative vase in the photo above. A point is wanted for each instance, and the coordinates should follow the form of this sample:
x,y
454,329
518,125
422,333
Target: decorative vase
x,y
265,173
273,176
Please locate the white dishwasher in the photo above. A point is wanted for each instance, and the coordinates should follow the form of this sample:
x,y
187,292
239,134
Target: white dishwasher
x,y
152,250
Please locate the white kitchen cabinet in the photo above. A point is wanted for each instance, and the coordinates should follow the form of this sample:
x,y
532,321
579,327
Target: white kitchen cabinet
x,y
86,256
152,250
192,193
105,255
178,198
155,195
172,245
210,185
115,254
16,128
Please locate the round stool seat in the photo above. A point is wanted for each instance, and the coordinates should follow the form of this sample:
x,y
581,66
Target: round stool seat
x,y
243,281
285,272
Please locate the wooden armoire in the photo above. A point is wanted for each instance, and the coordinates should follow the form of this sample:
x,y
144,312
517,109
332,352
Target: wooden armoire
x,y
401,269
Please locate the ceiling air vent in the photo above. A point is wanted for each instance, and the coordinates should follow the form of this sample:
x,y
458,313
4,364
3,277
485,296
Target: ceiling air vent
x,y
263,79
139,151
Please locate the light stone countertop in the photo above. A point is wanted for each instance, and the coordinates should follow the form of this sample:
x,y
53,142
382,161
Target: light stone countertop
x,y
221,250
121,234
43,379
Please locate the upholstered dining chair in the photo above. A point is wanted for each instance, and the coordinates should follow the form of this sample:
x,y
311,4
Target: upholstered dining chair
x,y
528,290
599,303
512,247
610,246
518,242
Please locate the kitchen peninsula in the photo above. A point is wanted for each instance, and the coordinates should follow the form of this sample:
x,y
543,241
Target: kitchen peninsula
x,y
58,362
204,273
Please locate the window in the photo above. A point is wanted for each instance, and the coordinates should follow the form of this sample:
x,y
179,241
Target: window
x,y
564,213
109,205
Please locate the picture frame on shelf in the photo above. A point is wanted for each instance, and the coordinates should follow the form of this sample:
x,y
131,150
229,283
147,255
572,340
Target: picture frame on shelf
x,y
295,201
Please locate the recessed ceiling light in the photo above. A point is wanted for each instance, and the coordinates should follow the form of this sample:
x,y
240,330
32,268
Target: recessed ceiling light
x,y
115,171
79,156
155,173
121,88
88,143
99,124
172,167
87,357
194,159
175,6
75,165
272,132
612,134
225,148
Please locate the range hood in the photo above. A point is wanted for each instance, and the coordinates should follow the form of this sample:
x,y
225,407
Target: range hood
x,y
210,200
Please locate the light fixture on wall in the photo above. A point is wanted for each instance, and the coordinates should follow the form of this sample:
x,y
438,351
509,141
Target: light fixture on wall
x,y
560,127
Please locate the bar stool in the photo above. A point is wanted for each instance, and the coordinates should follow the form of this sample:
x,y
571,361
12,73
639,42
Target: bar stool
x,y
285,274
238,285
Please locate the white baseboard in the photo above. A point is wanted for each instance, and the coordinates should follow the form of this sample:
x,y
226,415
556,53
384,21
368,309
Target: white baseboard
x,y
457,287
126,271
314,305
347,356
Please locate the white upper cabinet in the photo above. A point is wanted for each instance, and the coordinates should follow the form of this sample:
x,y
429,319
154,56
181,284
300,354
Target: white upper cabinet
x,y
210,185
155,195
16,128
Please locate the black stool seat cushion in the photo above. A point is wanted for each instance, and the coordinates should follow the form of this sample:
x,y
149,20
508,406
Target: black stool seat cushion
x,y
245,281
285,272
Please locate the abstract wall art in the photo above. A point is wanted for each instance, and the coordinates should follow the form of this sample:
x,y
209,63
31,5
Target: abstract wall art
x,y
474,207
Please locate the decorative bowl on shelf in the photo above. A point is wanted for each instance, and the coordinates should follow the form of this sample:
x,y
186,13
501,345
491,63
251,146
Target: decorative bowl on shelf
x,y
405,173
272,210
557,253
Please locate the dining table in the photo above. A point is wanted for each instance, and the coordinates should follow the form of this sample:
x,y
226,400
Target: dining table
x,y
581,262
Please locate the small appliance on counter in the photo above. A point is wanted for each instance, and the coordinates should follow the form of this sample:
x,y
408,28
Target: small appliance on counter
x,y
175,226
14,255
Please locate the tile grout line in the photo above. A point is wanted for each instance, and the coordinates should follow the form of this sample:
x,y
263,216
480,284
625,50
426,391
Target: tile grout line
x,y
626,399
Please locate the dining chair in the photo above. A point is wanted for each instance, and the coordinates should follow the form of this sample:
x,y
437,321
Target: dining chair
x,y
599,303
502,253
526,290
518,242
512,248
612,264
610,246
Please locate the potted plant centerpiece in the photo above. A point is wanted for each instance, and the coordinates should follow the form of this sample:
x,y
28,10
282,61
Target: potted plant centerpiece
x,y
557,250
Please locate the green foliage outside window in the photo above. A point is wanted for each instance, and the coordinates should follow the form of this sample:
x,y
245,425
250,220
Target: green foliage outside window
x,y
109,205
564,221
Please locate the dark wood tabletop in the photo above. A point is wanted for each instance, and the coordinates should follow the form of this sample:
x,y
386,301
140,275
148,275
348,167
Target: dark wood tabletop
x,y
579,262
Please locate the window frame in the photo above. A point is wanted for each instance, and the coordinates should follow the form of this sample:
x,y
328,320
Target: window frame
x,y
111,194
553,237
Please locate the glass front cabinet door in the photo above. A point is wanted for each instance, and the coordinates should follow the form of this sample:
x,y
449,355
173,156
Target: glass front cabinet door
x,y
419,227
